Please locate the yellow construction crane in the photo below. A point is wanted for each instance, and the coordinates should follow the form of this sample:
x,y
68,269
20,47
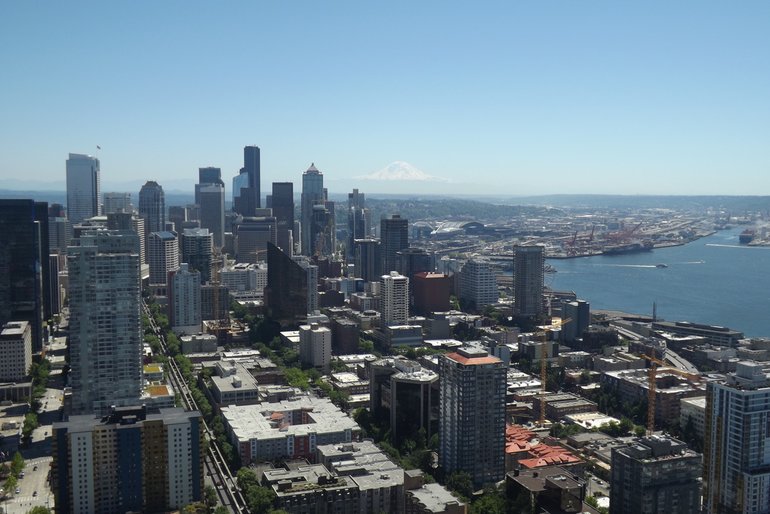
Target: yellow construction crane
x,y
542,335
652,373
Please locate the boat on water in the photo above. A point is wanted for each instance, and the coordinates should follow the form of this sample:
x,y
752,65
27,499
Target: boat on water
x,y
635,247
661,265
747,236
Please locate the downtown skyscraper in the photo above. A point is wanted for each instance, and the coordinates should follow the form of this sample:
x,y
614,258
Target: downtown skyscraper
x,y
83,187
528,275
105,324
283,210
210,196
394,237
312,195
152,207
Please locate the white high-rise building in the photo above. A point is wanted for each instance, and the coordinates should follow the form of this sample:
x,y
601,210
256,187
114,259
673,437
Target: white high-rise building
x,y
105,324
394,303
478,284
83,187
737,442
315,345
184,300
15,350
162,255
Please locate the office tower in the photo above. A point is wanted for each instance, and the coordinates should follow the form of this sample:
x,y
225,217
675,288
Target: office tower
x,y
292,286
105,337
315,346
198,251
184,300
368,259
472,414
282,203
478,284
312,194
359,221
59,234
177,215
528,265
394,301
414,260
247,197
577,316
209,175
655,475
736,462
212,211
252,235
430,292
163,255
405,393
322,230
55,261
131,460
24,274
345,336
394,236
152,207
56,210
117,202
15,350
83,187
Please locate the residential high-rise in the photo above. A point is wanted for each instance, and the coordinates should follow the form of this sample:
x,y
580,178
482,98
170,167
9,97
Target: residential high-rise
x,y
368,259
528,274
132,222
25,280
394,302
105,336
131,460
394,236
292,286
283,210
736,462
312,194
162,255
197,251
472,414
117,202
215,300
578,316
83,187
315,346
152,207
655,475
184,300
212,211
15,350
478,284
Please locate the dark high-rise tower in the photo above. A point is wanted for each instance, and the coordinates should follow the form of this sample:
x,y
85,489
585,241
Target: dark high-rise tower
x,y
283,210
394,236
312,195
359,221
528,269
368,259
24,270
246,186
152,207
207,176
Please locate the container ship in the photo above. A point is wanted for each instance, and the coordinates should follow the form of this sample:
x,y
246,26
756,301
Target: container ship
x,y
635,247
747,236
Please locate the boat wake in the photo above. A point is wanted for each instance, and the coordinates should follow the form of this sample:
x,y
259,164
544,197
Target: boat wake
x,y
629,265
737,246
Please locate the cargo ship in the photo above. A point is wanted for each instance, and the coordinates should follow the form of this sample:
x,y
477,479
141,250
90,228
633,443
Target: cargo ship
x,y
636,247
747,236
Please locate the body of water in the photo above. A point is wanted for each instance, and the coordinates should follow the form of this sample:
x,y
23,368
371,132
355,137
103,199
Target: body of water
x,y
713,280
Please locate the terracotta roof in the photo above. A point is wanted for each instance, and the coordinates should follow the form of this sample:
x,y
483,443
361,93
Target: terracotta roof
x,y
472,361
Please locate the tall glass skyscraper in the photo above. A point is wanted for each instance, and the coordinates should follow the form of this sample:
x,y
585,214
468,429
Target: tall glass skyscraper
x,y
83,187
152,207
312,195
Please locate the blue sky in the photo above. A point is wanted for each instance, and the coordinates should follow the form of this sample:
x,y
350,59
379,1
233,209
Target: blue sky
x,y
506,97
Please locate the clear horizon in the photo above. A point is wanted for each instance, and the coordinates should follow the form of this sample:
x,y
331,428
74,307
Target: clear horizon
x,y
513,99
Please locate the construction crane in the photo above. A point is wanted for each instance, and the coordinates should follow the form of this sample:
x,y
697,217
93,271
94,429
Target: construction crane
x,y
652,373
542,335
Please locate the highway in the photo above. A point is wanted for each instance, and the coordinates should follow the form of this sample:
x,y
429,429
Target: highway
x,y
216,467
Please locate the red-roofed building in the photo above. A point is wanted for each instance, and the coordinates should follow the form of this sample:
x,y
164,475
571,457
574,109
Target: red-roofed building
x,y
544,455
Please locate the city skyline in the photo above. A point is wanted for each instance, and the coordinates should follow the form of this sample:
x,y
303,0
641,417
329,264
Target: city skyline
x,y
591,96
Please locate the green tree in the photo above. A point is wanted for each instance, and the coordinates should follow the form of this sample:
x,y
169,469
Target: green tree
x,y
39,510
17,464
461,483
491,502
210,498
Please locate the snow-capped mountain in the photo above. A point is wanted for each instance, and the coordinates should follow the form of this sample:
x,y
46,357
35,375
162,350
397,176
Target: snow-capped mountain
x,y
401,171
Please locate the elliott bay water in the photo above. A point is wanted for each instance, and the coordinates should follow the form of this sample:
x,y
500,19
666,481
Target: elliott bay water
x,y
712,280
